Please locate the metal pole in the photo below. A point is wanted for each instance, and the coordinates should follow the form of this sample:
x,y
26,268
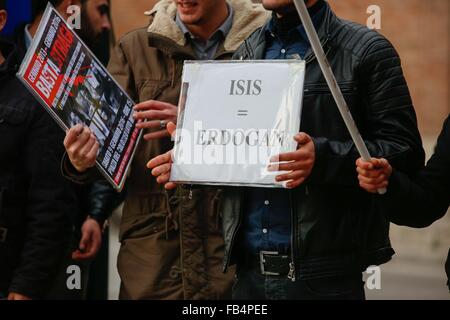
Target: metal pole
x,y
331,81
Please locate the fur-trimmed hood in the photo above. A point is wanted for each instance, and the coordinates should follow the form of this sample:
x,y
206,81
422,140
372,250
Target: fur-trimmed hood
x,y
247,18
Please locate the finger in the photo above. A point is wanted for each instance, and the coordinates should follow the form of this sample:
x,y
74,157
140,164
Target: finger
x,y
291,176
91,243
153,104
152,115
295,183
384,162
91,156
82,139
88,146
156,135
149,124
171,128
72,135
289,156
381,164
159,160
79,256
374,173
163,179
298,155
291,166
302,138
364,164
374,181
170,185
92,250
85,237
162,169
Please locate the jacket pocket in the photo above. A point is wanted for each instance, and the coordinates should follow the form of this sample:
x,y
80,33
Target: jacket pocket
x,y
347,88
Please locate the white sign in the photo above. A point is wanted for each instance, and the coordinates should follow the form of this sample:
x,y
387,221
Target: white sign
x,y
233,117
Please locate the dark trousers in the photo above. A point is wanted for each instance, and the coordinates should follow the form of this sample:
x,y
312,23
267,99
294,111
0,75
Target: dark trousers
x,y
252,285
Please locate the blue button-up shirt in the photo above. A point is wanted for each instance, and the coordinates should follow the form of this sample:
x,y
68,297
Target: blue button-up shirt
x,y
267,222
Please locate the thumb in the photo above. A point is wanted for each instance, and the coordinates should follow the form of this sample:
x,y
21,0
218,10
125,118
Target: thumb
x,y
380,163
384,163
302,138
171,127
84,242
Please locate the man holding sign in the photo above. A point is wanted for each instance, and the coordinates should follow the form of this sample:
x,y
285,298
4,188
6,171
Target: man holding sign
x,y
172,243
314,240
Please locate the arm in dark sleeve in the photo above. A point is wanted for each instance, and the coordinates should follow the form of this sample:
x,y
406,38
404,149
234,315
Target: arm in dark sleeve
x,y
103,199
388,124
69,172
122,73
48,203
424,198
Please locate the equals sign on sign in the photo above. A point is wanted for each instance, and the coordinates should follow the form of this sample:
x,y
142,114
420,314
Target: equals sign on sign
x,y
242,113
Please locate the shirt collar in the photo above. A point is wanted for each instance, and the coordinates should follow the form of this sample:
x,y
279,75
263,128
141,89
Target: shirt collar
x,y
224,29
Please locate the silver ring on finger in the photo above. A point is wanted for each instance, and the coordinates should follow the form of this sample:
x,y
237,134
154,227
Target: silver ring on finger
x,y
162,124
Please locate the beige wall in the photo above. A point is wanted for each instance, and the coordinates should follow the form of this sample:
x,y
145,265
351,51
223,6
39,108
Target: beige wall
x,y
418,29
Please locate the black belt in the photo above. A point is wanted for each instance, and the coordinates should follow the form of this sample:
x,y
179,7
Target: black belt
x,y
269,263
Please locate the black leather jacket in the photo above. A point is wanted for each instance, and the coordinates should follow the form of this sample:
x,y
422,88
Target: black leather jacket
x,y
337,227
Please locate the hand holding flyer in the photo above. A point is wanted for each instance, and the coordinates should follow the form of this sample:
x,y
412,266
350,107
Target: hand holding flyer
x,y
73,86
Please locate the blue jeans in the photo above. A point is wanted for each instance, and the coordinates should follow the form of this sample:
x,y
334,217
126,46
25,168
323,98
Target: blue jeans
x,y
252,285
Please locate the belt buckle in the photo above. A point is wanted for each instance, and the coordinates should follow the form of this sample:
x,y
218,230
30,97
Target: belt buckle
x,y
262,261
3,233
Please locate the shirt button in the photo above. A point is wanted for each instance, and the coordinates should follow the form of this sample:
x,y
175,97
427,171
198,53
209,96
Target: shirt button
x,y
266,202
265,230
283,50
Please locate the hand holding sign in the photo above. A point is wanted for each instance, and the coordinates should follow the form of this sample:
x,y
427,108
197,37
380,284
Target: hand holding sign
x,y
299,164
